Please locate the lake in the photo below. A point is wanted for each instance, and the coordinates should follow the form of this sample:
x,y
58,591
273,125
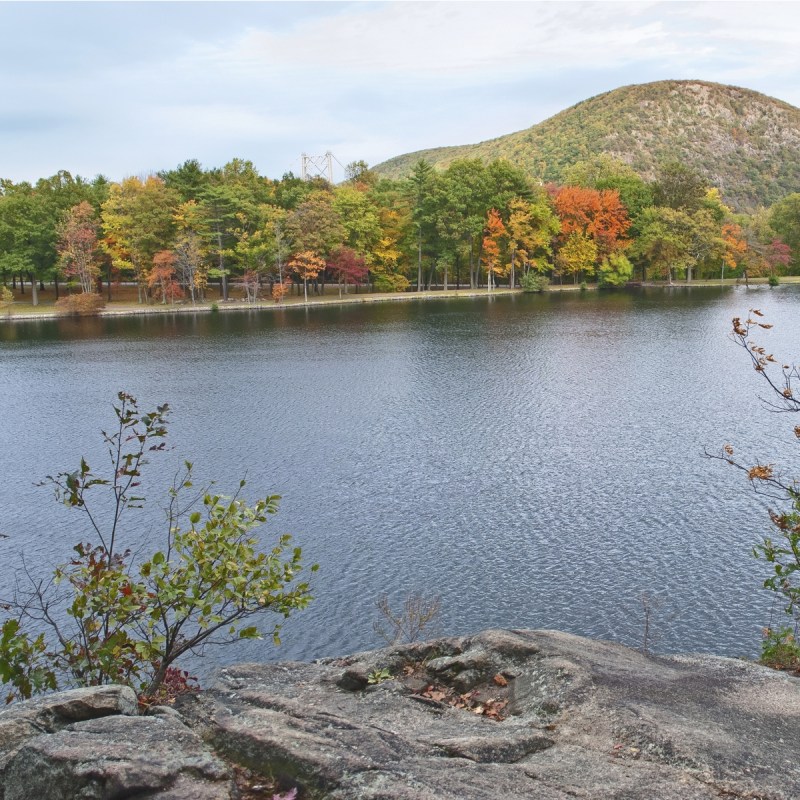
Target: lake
x,y
537,461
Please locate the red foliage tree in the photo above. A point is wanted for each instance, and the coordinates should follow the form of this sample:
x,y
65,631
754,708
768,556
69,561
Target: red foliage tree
x,y
77,246
163,278
347,267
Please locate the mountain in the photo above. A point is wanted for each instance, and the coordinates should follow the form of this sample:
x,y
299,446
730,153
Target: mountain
x,y
743,142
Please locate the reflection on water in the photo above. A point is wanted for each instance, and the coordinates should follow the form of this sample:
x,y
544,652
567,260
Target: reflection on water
x,y
536,461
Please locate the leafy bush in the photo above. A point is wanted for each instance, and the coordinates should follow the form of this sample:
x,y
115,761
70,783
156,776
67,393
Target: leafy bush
x,y
533,282
23,662
391,282
80,305
615,270
780,650
111,617
774,280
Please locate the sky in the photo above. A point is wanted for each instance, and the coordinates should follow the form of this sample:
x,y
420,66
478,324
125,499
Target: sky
x,y
129,88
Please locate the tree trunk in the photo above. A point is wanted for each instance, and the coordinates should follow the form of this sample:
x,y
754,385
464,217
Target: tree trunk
x,y
34,291
419,261
471,265
223,277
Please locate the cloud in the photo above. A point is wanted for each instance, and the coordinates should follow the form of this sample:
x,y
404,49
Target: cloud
x,y
456,43
144,85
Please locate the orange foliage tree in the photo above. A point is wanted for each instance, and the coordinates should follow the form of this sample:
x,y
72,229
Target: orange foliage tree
x,y
594,214
162,279
307,265
493,233
735,246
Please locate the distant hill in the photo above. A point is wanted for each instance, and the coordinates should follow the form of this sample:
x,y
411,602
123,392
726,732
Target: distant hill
x,y
743,142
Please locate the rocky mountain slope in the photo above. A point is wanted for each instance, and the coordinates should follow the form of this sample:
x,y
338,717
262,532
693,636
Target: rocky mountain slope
x,y
511,714
743,142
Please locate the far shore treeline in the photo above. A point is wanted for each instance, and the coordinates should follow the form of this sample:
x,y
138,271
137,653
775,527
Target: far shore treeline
x,y
174,234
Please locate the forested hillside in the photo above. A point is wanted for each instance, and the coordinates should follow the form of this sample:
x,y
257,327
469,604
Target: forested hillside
x,y
744,143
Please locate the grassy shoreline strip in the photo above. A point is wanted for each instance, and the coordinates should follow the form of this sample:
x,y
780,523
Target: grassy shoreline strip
x,y
133,310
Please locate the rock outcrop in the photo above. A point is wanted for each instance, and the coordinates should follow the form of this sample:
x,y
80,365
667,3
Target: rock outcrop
x,y
503,714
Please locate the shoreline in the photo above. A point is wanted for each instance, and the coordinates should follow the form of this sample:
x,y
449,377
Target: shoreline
x,y
48,312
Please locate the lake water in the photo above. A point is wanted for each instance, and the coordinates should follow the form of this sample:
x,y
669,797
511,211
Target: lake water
x,y
537,461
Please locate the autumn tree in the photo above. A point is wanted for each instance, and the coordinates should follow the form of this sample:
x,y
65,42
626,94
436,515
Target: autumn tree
x,y
388,261
190,252
77,246
531,227
251,284
606,172
578,254
138,222
347,266
735,246
162,278
494,232
597,216
306,265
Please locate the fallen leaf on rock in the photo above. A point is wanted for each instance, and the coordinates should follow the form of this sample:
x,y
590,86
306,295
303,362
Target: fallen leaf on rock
x,y
500,680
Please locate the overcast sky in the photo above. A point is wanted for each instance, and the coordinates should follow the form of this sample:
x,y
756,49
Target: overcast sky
x,y
128,88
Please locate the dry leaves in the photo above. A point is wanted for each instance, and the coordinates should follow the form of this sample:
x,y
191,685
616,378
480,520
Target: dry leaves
x,y
474,702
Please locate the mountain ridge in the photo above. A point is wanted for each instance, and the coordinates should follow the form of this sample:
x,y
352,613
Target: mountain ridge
x,y
745,143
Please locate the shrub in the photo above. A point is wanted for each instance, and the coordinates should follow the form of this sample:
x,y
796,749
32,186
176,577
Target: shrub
x,y
780,650
774,280
390,282
112,617
80,305
533,282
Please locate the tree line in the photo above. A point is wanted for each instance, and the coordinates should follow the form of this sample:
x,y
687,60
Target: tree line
x,y
472,224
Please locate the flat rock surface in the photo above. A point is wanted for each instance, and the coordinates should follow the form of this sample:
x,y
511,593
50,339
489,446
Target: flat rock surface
x,y
511,714
503,714
116,757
